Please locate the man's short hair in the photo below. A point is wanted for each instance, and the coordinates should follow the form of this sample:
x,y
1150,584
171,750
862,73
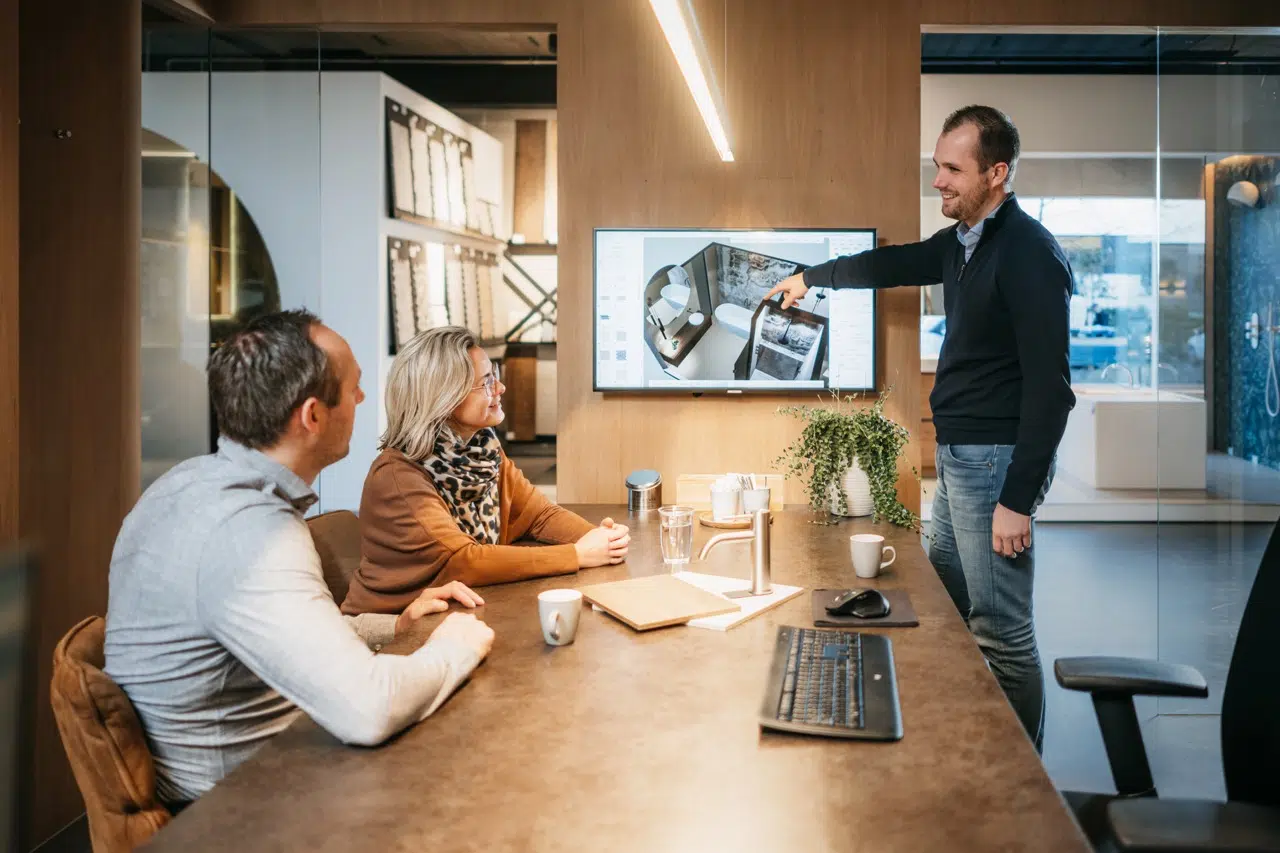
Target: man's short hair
x,y
998,140
265,371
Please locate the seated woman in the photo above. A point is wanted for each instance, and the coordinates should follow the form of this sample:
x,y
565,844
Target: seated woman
x,y
443,503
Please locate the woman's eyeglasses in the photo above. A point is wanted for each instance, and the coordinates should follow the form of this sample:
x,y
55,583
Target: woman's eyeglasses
x,y
490,383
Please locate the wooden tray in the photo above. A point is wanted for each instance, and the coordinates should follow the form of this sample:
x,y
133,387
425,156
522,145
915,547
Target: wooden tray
x,y
695,489
737,522
656,601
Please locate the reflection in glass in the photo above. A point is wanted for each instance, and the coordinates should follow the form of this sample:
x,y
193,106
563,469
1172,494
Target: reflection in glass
x,y
174,285
1219,109
203,265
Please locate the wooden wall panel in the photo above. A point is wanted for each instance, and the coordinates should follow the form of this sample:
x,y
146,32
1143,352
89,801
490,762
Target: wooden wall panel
x,y
823,103
8,271
520,375
80,434
530,196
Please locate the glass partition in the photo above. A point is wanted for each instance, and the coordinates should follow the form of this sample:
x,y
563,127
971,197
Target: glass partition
x,y
1218,428
175,250
230,210
1152,156
264,149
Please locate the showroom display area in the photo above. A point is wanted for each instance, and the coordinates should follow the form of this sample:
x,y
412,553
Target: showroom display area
x,y
309,156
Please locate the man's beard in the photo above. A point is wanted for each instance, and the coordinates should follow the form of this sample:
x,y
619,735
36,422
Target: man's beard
x,y
968,206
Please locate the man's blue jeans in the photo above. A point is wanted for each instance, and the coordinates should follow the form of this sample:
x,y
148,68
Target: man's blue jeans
x,y
992,593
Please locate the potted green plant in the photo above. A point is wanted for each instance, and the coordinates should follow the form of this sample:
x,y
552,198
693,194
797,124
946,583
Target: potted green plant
x,y
845,438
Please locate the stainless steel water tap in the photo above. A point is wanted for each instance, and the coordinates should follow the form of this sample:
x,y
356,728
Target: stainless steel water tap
x,y
761,569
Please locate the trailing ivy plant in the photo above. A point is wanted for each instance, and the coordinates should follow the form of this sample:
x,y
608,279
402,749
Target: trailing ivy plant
x,y
830,442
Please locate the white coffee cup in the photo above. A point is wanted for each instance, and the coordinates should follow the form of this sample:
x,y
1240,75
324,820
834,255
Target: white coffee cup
x,y
725,504
754,499
868,550
558,611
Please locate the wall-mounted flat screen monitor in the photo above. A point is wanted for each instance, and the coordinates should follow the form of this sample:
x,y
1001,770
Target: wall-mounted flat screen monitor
x,y
684,310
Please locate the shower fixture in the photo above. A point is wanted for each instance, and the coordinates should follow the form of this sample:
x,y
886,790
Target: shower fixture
x,y
1271,391
1245,194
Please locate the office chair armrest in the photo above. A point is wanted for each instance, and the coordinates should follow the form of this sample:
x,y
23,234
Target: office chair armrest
x,y
1191,826
1129,677
1113,682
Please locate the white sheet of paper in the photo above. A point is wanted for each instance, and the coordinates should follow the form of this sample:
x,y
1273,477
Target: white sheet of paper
x,y
751,605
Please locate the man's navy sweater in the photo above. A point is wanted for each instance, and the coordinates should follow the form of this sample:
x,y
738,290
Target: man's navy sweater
x,y
1004,375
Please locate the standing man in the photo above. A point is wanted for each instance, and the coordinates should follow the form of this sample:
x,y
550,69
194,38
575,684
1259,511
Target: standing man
x,y
1003,388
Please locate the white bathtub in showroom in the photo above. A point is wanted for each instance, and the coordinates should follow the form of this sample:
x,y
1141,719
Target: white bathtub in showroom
x,y
1134,438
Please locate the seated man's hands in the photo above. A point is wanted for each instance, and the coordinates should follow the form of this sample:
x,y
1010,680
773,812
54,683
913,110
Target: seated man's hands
x,y
792,288
467,630
435,599
605,545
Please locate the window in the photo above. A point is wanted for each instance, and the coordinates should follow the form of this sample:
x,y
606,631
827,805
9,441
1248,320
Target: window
x,y
1110,243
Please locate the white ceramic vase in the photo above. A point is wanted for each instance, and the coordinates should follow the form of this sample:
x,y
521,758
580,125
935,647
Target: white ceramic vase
x,y
857,489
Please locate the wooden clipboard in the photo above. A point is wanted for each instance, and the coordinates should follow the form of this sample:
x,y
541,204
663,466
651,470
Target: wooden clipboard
x,y
656,601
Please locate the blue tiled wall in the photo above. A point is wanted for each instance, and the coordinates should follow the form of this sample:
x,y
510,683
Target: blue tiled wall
x,y
1246,279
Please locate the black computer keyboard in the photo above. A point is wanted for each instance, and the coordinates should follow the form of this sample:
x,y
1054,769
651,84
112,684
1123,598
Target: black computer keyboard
x,y
825,681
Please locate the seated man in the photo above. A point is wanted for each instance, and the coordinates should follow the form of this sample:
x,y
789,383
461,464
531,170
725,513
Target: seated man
x,y
220,627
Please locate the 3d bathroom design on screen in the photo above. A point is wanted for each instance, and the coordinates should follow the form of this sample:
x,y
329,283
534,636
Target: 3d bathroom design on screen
x,y
706,318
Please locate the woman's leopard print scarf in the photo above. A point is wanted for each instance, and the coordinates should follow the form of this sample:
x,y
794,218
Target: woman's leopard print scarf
x,y
466,476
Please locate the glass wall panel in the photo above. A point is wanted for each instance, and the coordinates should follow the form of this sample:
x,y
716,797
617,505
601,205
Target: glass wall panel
x,y
230,210
1218,431
1085,105
174,251
264,148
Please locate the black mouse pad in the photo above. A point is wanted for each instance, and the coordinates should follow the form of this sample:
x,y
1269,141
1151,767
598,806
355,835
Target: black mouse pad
x,y
901,613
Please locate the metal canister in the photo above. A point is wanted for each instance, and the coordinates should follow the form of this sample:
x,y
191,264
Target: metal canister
x,y
644,490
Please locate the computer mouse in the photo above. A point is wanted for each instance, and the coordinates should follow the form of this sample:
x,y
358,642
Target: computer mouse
x,y
864,603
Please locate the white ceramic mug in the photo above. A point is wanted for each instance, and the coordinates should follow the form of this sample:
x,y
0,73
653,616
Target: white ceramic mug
x,y
754,499
558,611
725,504
868,550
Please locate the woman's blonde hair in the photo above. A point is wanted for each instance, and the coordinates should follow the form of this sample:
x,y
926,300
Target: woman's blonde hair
x,y
430,377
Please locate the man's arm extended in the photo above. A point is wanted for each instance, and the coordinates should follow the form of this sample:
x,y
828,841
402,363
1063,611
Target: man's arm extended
x,y
886,266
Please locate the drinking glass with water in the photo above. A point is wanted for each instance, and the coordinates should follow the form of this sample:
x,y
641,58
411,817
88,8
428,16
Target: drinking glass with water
x,y
677,536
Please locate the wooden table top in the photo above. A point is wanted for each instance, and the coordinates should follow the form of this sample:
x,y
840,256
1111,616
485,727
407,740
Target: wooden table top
x,y
625,741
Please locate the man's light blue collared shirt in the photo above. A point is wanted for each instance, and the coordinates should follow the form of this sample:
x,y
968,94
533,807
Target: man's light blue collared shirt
x,y
969,237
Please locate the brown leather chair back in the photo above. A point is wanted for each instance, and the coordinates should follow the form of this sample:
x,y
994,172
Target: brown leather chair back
x,y
105,744
337,538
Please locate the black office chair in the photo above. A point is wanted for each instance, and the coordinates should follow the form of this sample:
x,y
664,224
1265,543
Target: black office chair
x,y
1135,819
